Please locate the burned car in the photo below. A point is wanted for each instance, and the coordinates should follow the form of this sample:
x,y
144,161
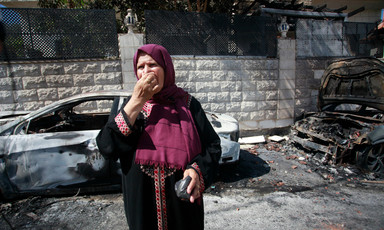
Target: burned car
x,y
348,128
53,151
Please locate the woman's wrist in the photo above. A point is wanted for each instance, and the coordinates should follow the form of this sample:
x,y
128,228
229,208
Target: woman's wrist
x,y
133,108
124,126
195,167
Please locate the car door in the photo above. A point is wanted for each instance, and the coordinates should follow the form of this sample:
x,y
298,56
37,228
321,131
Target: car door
x,y
63,158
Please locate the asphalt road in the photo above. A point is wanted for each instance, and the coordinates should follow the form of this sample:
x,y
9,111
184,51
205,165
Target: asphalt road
x,y
272,187
292,193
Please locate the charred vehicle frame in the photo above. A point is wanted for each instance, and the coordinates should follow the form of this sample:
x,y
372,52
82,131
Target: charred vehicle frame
x,y
349,126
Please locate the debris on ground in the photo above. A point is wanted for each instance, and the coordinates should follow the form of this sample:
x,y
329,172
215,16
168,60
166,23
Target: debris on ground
x,y
277,138
314,161
252,140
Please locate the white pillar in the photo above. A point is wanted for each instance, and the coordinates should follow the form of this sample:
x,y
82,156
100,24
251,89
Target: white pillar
x,y
129,43
287,83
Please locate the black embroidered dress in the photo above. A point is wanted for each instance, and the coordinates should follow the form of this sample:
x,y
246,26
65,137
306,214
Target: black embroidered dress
x,y
150,200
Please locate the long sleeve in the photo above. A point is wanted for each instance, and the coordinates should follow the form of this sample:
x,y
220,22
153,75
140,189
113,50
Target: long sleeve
x,y
115,142
208,160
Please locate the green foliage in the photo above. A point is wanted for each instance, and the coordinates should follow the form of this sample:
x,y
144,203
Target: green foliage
x,y
59,4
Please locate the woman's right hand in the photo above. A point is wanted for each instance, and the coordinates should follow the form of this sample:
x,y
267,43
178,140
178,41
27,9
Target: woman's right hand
x,y
145,87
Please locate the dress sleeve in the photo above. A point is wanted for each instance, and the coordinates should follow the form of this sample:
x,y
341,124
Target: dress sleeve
x,y
208,161
118,139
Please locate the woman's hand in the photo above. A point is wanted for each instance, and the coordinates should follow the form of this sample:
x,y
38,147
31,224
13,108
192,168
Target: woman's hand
x,y
194,186
145,87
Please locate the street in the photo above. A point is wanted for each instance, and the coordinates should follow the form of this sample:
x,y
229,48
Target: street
x,y
270,188
286,193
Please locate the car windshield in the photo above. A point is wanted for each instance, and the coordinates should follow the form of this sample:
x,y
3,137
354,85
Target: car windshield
x,y
370,85
353,81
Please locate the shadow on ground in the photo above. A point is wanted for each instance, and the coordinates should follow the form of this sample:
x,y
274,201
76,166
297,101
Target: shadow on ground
x,y
249,166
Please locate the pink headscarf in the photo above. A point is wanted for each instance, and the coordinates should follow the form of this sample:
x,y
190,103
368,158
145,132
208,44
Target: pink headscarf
x,y
170,138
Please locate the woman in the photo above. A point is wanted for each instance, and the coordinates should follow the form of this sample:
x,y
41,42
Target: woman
x,y
161,135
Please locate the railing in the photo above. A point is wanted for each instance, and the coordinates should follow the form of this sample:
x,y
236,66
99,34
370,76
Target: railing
x,y
41,34
186,33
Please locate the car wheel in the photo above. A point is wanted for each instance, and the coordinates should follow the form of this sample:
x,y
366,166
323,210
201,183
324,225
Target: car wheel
x,y
372,158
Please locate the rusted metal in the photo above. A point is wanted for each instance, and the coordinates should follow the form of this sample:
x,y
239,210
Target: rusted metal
x,y
349,127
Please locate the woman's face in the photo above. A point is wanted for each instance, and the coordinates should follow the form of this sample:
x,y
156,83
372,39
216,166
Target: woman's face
x,y
147,67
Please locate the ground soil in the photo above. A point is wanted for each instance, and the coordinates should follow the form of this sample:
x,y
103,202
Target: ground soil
x,y
273,186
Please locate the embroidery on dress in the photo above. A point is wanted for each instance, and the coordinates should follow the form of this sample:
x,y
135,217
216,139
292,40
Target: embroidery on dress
x,y
122,125
202,186
159,173
147,108
149,170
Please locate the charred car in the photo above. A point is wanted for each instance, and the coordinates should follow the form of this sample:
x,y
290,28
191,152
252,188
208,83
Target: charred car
x,y
53,151
348,127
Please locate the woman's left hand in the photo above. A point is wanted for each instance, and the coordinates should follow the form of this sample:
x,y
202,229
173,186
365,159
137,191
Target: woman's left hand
x,y
194,186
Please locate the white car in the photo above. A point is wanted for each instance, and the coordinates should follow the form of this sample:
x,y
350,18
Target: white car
x,y
227,128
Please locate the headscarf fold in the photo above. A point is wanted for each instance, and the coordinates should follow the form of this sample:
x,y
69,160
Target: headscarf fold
x,y
170,137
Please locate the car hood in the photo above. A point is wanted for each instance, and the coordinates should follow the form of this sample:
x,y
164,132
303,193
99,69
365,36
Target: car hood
x,y
356,81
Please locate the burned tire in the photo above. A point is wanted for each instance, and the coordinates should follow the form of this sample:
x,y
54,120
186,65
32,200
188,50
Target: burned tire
x,y
372,158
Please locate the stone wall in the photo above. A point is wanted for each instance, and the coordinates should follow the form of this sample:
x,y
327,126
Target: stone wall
x,y
257,91
29,86
308,76
245,88
264,94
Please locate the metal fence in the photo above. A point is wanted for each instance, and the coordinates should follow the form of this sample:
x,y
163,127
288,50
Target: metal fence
x,y
186,33
40,34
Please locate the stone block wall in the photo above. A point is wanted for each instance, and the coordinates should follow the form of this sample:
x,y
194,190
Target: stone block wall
x,y
245,88
308,78
261,93
29,86
316,38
